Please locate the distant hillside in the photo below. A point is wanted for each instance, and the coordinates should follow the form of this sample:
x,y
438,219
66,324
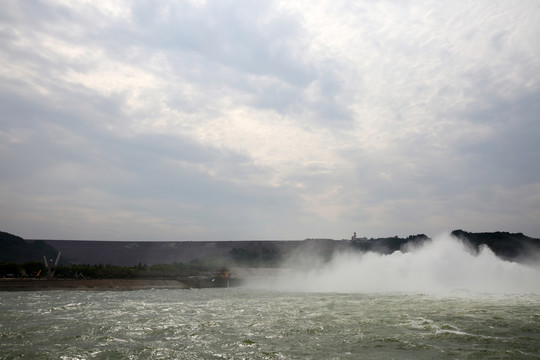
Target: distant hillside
x,y
389,245
505,245
16,249
515,247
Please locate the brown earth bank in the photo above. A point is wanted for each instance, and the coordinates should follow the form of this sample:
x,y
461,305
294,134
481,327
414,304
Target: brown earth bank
x,y
91,284
116,284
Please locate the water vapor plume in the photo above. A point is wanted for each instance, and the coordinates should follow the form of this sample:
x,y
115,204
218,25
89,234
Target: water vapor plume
x,y
442,265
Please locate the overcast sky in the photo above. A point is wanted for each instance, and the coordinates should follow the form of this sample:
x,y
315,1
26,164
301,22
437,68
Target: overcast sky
x,y
234,120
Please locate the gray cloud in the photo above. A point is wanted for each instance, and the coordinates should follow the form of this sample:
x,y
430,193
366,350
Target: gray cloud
x,y
508,157
189,121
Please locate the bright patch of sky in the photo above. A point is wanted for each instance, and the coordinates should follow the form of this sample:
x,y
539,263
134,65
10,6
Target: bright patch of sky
x,y
233,120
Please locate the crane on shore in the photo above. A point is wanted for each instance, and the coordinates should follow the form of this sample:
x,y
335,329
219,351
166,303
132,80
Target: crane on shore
x,y
50,266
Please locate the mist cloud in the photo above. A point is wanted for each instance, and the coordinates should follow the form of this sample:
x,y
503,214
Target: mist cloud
x,y
444,265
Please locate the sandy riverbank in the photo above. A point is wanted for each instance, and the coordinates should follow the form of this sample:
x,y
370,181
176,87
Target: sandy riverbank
x,y
93,284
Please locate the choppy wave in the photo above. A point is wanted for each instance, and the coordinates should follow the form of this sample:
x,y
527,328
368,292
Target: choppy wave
x,y
255,324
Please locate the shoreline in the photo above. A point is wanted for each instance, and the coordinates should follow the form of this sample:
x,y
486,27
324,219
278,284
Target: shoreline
x,y
91,284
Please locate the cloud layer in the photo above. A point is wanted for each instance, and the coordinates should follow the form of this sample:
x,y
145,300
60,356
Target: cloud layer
x,y
278,120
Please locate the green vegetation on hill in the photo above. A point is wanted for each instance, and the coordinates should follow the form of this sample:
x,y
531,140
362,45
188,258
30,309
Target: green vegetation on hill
x,y
505,245
168,271
25,258
141,271
200,267
389,245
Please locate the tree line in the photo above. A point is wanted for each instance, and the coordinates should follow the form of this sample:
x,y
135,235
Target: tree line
x,y
199,267
35,269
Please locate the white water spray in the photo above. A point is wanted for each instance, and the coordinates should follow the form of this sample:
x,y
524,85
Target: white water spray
x,y
442,265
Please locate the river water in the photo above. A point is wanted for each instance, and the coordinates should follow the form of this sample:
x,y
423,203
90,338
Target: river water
x,y
244,323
